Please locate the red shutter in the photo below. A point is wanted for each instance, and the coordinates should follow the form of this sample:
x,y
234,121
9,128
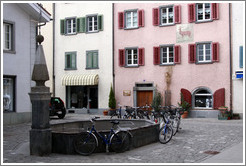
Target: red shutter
x,y
187,95
215,51
141,56
155,15
121,20
177,54
121,57
192,53
192,12
141,18
219,98
156,55
215,11
177,10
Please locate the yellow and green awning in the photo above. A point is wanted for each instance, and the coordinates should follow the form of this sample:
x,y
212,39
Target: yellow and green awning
x,y
80,79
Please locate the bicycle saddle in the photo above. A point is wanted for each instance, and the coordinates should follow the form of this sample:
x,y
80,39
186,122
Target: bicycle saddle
x,y
114,122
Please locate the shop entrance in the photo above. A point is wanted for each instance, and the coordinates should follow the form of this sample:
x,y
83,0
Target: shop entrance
x,y
82,97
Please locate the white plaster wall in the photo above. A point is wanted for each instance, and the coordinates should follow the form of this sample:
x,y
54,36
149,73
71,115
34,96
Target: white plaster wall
x,y
101,41
19,64
238,34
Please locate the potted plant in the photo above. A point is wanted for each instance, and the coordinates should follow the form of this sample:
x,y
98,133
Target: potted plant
x,y
105,112
224,114
185,106
112,102
156,102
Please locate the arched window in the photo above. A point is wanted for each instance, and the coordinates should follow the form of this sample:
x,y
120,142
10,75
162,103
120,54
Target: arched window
x,y
202,98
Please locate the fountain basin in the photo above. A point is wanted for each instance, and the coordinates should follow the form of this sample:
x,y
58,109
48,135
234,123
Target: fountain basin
x,y
143,132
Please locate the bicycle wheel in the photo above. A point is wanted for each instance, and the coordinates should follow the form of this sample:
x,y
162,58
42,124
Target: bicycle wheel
x,y
120,142
175,125
165,134
85,143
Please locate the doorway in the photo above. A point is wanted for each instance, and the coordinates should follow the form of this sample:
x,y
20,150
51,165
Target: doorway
x,y
144,98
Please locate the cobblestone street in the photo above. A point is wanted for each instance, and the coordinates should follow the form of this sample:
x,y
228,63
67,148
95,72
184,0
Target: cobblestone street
x,y
188,146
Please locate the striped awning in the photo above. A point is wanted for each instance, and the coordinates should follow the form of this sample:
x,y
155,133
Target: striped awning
x,y
80,79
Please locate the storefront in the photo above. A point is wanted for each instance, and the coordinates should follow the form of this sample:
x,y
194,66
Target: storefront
x,y
81,91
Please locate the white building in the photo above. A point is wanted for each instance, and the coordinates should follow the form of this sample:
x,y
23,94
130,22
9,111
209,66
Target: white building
x,y
18,49
238,54
83,54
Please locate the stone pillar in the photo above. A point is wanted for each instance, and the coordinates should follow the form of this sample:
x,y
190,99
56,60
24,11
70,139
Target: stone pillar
x,y
40,133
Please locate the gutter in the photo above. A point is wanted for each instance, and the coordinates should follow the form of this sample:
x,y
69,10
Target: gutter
x,y
230,54
53,72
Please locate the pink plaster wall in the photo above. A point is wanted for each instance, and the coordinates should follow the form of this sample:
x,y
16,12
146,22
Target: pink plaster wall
x,y
189,76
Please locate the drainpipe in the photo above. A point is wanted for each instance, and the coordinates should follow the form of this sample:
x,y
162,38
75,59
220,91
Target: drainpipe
x,y
53,72
230,54
113,46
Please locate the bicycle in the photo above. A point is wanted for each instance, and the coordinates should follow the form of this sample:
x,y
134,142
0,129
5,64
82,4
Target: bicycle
x,y
86,142
117,112
166,132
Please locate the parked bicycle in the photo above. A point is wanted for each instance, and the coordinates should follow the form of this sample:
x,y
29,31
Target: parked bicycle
x,y
86,142
117,112
166,132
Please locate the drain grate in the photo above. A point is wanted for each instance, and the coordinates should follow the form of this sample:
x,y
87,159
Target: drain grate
x,y
211,152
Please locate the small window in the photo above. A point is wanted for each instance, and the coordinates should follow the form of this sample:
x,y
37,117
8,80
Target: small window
x,y
92,59
8,93
167,55
204,53
92,23
70,60
132,57
203,98
131,19
167,15
203,11
71,26
8,36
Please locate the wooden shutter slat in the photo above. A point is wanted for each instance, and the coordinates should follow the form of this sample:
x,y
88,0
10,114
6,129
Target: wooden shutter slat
x,y
219,98
192,53
177,10
121,57
155,16
215,11
215,51
177,59
156,54
81,24
192,12
141,18
141,56
121,20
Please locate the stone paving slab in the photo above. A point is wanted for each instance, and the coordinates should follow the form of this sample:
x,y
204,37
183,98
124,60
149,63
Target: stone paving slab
x,y
189,145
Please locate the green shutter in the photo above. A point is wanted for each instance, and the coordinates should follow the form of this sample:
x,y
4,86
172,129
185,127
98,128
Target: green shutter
x,y
89,59
81,24
73,61
95,59
62,27
100,22
241,56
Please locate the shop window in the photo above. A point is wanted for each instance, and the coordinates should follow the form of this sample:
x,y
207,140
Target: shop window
x,y
8,93
202,98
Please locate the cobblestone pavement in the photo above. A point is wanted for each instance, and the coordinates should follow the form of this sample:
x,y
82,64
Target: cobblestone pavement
x,y
187,146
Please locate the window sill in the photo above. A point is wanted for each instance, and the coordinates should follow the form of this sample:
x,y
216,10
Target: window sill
x,y
131,28
70,69
9,51
132,66
166,25
168,64
71,34
96,68
88,32
203,21
203,63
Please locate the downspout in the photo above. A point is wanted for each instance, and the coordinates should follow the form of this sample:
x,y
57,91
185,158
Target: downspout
x,y
230,54
113,46
53,74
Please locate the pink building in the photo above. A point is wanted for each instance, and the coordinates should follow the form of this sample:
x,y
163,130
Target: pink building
x,y
173,48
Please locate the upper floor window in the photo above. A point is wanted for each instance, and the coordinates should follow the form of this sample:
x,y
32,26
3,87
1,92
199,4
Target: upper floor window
x,y
8,37
92,23
70,61
204,52
167,15
203,11
167,55
92,59
71,26
131,57
131,19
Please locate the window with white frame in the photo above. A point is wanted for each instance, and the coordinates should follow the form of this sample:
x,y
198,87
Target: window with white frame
x,y
204,52
132,56
202,98
167,15
8,36
71,26
167,55
131,19
203,11
8,93
92,23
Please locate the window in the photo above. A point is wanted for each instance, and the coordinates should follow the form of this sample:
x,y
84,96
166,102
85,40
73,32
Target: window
x,y
91,59
167,55
8,36
71,26
203,98
70,61
203,11
167,14
132,57
8,93
131,19
92,23
204,52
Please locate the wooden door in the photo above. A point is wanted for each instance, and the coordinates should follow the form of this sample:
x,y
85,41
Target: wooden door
x,y
144,97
